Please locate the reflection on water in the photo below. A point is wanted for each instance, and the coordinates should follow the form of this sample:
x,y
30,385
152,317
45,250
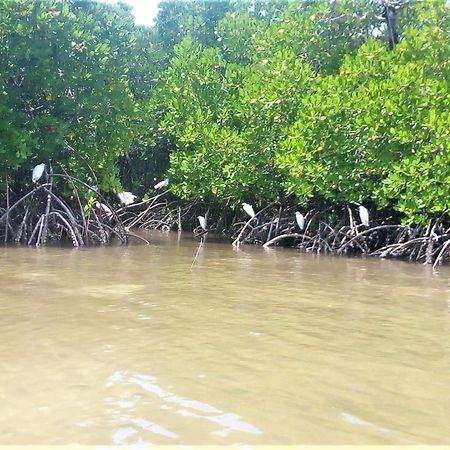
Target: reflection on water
x,y
129,345
227,422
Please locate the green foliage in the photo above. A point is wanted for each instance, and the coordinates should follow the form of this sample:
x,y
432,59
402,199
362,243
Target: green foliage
x,y
196,18
68,87
378,129
227,121
307,99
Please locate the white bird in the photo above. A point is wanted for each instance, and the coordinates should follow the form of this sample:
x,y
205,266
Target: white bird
x,y
364,215
202,221
103,208
38,171
300,220
126,198
162,184
248,209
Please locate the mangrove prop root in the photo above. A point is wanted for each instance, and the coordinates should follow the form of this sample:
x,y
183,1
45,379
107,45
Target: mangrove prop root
x,y
285,236
35,218
278,227
237,241
42,214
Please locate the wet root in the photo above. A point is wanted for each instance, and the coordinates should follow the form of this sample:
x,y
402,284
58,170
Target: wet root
x,y
43,215
332,230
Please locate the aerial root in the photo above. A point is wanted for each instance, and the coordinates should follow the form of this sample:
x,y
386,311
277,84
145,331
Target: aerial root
x,y
43,215
332,230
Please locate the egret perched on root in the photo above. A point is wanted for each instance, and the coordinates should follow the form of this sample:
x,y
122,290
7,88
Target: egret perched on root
x,y
249,209
38,173
126,198
203,228
162,184
300,219
251,212
364,215
202,222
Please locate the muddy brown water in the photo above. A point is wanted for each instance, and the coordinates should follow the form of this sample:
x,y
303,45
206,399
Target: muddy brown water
x,y
127,345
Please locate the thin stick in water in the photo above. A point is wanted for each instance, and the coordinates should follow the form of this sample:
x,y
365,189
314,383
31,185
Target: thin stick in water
x,y
198,251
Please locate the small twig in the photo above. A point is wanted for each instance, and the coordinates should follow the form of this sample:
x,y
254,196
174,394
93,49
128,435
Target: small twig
x,y
198,251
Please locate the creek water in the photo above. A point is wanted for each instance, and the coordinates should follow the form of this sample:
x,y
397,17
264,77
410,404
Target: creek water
x,y
127,345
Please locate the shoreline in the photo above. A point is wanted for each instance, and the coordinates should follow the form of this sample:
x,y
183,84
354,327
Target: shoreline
x,y
42,215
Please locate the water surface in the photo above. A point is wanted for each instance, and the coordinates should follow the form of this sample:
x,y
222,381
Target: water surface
x,y
126,345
